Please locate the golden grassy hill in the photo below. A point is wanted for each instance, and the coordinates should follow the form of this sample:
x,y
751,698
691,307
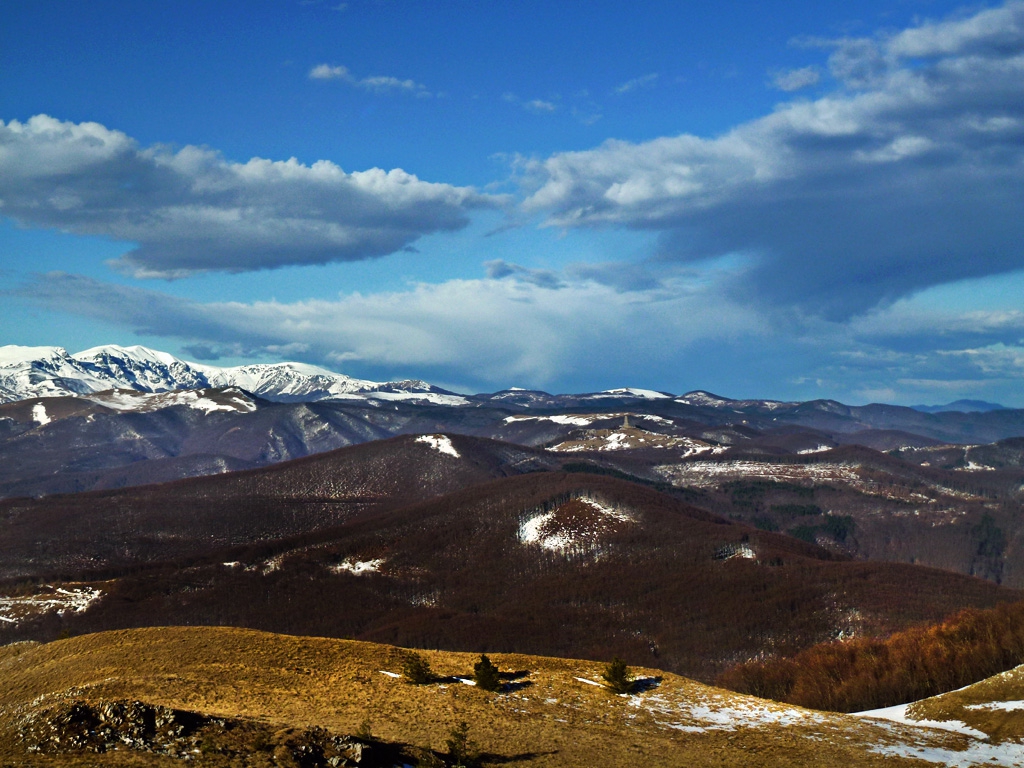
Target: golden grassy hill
x,y
994,706
553,718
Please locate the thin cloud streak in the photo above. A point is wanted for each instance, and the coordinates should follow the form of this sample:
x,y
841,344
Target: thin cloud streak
x,y
646,81
796,79
377,83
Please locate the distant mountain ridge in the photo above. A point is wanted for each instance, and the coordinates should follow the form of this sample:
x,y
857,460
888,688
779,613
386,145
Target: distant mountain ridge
x,y
29,372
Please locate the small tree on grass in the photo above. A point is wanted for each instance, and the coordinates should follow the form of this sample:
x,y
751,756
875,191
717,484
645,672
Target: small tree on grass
x,y
617,677
486,675
416,670
461,751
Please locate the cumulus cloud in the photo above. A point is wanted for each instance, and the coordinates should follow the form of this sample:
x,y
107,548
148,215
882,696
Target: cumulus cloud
x,y
377,83
796,79
191,210
909,174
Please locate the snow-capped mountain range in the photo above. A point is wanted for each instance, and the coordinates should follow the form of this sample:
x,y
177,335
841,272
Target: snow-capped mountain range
x,y
28,372
33,372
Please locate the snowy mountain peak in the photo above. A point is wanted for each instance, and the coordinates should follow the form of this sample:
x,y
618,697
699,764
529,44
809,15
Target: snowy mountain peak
x,y
645,394
136,352
700,397
12,354
288,381
27,372
140,368
42,372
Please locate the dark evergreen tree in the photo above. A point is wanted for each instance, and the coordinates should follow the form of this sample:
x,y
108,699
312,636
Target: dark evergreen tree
x,y
486,675
617,677
416,670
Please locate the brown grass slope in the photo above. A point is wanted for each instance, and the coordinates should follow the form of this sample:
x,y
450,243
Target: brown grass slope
x,y
668,585
553,719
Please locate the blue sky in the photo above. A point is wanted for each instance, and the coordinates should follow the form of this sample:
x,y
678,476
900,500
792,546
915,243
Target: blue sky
x,y
790,200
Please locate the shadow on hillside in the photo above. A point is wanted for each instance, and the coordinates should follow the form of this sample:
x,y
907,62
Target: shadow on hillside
x,y
514,675
642,684
512,687
509,687
488,758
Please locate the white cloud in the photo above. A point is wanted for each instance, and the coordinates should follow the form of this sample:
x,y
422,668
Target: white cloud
x,y
539,105
328,72
192,211
910,175
646,81
796,79
376,83
994,359
586,327
997,31
484,330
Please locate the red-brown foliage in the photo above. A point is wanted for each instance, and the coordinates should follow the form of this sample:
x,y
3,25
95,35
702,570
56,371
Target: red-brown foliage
x,y
868,673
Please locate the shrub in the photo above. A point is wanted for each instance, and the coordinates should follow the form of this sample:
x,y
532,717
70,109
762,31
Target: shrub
x,y
416,670
486,675
617,677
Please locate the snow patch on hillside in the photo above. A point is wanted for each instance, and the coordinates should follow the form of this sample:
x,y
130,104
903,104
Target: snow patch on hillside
x,y
358,567
435,398
39,415
439,443
701,713
702,398
731,551
204,400
575,421
1007,755
972,466
708,473
14,610
586,419
1004,706
646,394
551,532
898,714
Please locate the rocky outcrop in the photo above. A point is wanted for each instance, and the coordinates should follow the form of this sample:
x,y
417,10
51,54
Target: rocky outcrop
x,y
78,726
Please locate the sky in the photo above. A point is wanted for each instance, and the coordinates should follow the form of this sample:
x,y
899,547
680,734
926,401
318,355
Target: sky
x,y
788,200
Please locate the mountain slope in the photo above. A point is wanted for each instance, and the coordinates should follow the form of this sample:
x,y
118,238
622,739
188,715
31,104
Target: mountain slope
x,y
404,541
106,529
